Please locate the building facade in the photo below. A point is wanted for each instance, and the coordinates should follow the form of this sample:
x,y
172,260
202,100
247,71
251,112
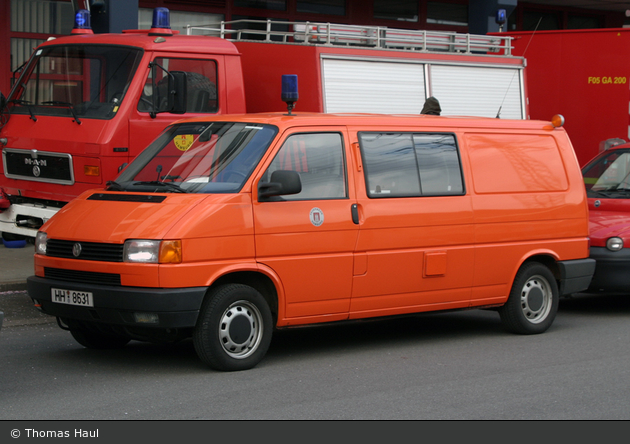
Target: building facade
x,y
30,22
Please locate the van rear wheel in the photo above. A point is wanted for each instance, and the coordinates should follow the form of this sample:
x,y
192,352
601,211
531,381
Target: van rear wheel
x,y
533,301
234,328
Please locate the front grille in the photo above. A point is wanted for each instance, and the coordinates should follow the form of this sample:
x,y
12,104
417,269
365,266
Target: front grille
x,y
89,251
38,166
85,277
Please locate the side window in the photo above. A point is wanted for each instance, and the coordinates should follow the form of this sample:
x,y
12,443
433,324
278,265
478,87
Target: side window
x,y
201,81
411,164
319,160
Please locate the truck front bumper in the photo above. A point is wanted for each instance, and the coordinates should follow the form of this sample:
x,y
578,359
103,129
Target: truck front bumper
x,y
611,271
162,308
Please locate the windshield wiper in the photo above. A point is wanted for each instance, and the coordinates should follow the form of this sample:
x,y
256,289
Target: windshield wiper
x,y
112,185
169,185
28,104
68,104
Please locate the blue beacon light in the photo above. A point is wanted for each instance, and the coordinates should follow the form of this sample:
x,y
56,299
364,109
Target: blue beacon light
x,y
82,23
290,90
161,24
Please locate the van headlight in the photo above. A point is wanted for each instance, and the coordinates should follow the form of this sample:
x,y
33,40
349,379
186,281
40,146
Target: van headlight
x,y
41,239
153,251
614,243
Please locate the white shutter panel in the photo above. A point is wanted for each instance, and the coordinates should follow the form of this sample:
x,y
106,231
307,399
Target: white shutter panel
x,y
477,91
372,86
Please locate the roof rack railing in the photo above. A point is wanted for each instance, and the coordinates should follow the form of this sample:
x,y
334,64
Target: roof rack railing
x,y
355,35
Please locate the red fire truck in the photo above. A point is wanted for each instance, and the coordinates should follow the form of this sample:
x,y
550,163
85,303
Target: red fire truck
x,y
583,75
85,105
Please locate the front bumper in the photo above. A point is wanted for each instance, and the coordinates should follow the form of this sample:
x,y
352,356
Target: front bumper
x,y
611,271
174,307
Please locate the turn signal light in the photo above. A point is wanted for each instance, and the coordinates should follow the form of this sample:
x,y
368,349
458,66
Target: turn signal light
x,y
557,121
90,170
170,252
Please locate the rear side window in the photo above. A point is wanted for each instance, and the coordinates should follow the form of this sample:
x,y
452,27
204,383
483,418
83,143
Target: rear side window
x,y
411,164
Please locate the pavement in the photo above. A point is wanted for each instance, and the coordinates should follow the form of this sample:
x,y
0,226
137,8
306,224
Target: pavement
x,y
16,264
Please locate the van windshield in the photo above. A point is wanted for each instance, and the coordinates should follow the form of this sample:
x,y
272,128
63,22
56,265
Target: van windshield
x,y
87,81
609,175
198,157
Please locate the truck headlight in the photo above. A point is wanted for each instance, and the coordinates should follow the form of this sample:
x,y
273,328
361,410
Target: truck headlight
x,y
153,251
41,239
614,243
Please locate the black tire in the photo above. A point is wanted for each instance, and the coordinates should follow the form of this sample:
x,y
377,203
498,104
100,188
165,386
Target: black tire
x,y
533,301
95,339
234,328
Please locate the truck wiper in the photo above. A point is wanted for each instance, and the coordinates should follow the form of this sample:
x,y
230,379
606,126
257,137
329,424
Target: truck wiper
x,y
28,104
68,104
112,185
169,185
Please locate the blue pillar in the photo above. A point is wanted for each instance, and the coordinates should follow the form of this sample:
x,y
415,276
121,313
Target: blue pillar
x,y
112,16
482,13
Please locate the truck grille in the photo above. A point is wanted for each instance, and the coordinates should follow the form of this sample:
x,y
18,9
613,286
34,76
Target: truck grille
x,y
86,277
88,251
38,166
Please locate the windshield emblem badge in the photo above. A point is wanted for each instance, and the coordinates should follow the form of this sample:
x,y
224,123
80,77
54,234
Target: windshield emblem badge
x,y
76,250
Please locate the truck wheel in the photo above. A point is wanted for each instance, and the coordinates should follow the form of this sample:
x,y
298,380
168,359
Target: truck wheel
x,y
234,328
533,301
97,340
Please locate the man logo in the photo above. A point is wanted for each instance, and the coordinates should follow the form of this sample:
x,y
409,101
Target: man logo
x,y
36,171
76,250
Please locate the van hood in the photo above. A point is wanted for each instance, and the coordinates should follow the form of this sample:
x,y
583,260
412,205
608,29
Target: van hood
x,y
113,217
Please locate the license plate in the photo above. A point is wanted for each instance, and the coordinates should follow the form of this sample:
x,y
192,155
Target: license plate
x,y
72,297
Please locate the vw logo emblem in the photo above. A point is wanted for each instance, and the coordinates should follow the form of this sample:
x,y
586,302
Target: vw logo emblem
x,y
76,250
36,171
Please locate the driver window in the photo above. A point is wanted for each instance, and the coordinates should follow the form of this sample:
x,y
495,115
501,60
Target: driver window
x,y
201,82
318,159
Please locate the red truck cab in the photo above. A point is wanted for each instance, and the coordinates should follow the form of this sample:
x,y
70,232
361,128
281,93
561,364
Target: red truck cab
x,y
86,104
607,180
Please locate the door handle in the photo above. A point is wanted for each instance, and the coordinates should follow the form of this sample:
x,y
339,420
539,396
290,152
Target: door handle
x,y
354,209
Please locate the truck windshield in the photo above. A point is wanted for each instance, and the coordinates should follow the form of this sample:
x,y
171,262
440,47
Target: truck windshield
x,y
87,81
609,175
198,157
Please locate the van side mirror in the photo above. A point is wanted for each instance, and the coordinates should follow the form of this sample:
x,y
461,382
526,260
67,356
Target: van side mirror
x,y
177,92
282,182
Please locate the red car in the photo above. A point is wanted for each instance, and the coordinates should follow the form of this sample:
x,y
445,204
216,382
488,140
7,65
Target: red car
x,y
607,180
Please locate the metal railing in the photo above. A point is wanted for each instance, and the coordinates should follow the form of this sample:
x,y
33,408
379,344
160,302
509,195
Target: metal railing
x,y
355,35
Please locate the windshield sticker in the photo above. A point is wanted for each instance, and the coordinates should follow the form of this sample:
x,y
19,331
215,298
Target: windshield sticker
x,y
183,142
317,217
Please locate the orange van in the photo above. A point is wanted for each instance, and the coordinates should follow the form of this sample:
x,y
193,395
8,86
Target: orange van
x,y
229,227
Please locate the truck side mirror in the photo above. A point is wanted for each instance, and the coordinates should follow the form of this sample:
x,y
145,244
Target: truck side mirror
x,y
282,182
177,92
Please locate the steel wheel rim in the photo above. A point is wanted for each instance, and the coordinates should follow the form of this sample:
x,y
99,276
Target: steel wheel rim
x,y
536,299
240,329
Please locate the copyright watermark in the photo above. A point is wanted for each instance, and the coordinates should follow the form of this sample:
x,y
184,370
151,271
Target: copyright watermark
x,y
15,433
75,433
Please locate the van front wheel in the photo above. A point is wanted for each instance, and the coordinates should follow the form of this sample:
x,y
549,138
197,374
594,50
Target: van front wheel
x,y
533,301
234,328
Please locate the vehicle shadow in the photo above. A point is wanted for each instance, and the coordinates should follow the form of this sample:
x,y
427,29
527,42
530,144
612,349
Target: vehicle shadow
x,y
600,304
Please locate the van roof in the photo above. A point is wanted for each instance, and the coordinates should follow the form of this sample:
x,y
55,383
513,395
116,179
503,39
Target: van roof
x,y
375,120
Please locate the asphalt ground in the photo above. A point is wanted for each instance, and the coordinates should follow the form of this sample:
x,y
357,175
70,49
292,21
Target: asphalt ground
x,y
16,264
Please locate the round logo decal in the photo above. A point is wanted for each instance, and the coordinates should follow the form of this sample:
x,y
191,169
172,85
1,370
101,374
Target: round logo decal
x,y
597,203
76,250
316,216
36,171
183,141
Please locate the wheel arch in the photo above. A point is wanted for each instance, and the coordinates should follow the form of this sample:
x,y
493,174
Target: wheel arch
x,y
258,280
